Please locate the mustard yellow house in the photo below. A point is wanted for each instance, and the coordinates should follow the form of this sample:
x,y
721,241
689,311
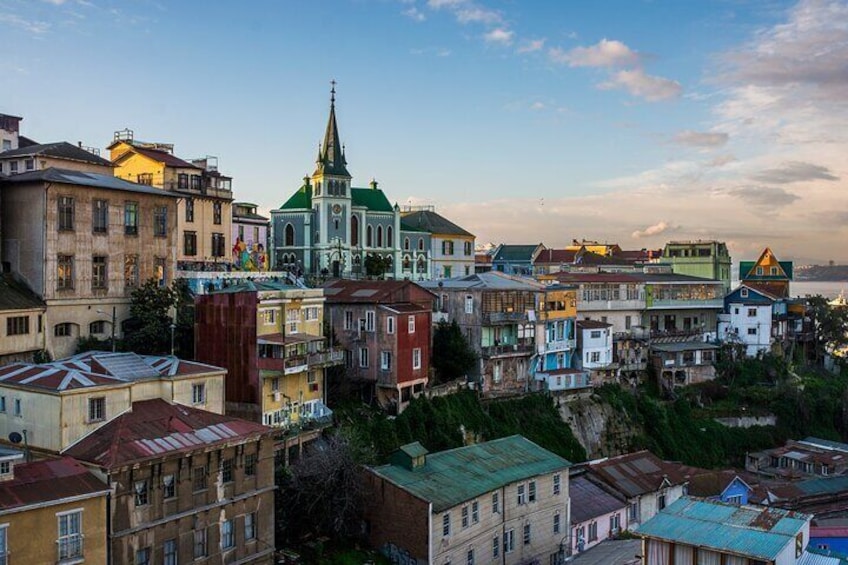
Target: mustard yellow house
x,y
204,213
51,511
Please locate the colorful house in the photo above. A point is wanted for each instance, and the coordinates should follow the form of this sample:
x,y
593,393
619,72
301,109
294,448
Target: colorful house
x,y
767,274
595,351
250,238
748,319
556,368
706,259
515,259
598,512
722,486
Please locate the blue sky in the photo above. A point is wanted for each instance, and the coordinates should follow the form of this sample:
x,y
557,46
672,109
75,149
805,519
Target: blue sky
x,y
523,121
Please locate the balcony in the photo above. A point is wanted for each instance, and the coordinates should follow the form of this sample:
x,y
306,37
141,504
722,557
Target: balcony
x,y
329,358
510,350
563,380
70,549
671,303
504,318
560,345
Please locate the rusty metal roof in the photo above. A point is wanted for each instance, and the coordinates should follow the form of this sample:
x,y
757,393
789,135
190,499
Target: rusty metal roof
x,y
156,429
46,481
637,473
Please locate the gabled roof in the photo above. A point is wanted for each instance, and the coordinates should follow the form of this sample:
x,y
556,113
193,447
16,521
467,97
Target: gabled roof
x,y
509,252
767,259
159,156
755,295
430,221
155,429
756,532
345,291
635,474
554,256
591,500
15,295
57,150
48,481
79,178
451,477
713,483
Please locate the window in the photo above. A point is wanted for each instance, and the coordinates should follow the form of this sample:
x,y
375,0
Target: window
x,y
522,498
446,526
160,221
370,317
526,534
420,244
752,312
269,316
469,556
557,486
66,213
144,178
18,409
348,320
390,324
595,356
465,516
496,503
189,210
218,242
532,489
182,180
250,526
97,409
70,535
13,167
196,182
475,512
509,541
199,543
593,531
99,273
411,324
467,248
64,272
141,491
250,465
228,540
386,360
198,479
447,247
97,327
416,358
159,271
759,271
227,470
406,244
752,331
4,542
142,556
363,357
217,213
469,304
65,329
100,216
190,243
369,236
379,236
17,325
131,218
131,271
634,511
169,552
198,393
743,293
496,547
556,523
661,501
169,487
615,524
2,404
735,499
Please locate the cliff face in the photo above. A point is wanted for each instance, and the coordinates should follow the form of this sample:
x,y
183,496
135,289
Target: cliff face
x,y
602,430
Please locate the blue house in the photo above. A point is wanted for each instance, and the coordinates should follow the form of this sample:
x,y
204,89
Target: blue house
x,y
515,259
722,486
832,539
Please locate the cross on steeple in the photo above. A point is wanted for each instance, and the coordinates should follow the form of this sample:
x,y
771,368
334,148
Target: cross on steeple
x,y
331,159
333,91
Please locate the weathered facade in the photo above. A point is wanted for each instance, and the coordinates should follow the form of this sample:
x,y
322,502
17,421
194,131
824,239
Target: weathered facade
x,y
187,485
451,247
251,232
21,321
705,259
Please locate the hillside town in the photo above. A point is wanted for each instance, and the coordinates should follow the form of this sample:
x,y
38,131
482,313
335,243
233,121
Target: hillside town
x,y
186,379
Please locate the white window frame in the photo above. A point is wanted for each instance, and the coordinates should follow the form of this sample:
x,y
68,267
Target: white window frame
x,y
496,503
390,325
70,538
509,540
446,525
411,324
370,320
416,358
198,393
348,320
386,360
469,304
228,534
250,526
363,357
521,495
557,484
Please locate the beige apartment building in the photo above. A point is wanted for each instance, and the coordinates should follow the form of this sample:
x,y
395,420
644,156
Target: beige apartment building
x,y
204,210
510,506
58,403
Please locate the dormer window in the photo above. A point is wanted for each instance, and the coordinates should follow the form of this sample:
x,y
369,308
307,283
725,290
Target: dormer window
x,y
743,293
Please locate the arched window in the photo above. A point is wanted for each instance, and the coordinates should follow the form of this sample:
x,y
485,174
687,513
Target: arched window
x,y
390,263
317,189
342,188
289,235
406,243
420,244
389,237
368,237
379,236
419,268
354,231
407,263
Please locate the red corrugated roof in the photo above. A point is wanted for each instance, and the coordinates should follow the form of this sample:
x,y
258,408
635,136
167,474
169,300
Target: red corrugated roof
x,y
161,157
155,429
372,292
637,473
48,481
556,256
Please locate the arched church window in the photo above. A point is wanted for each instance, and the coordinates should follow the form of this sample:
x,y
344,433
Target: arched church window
x,y
406,243
389,237
368,237
354,230
420,244
379,236
407,263
342,188
420,264
289,239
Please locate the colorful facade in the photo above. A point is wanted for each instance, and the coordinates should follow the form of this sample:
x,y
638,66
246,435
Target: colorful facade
x,y
768,274
704,259
250,238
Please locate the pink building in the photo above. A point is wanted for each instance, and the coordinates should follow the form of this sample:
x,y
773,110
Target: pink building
x,y
250,238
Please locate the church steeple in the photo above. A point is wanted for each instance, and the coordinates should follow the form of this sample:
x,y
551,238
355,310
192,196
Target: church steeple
x,y
331,159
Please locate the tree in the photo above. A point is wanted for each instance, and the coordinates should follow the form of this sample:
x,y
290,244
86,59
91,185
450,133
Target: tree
x,y
831,326
376,266
148,330
452,355
184,332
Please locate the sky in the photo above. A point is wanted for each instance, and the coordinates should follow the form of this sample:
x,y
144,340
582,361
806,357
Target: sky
x,y
524,121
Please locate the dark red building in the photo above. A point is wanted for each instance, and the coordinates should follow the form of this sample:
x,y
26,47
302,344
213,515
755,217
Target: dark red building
x,y
385,329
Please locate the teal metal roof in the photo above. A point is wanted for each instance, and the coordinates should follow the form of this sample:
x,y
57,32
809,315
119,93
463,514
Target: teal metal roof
x,y
745,267
755,532
509,252
451,477
414,449
830,485
254,286
372,198
300,200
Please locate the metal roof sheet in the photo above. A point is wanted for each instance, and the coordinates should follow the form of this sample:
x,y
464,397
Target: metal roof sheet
x,y
454,476
758,532
94,180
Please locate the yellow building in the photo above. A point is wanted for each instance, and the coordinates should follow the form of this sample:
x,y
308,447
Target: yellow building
x,y
59,403
605,249
51,511
21,321
204,214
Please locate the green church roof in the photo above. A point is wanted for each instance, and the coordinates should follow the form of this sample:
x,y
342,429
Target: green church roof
x,y
372,199
300,200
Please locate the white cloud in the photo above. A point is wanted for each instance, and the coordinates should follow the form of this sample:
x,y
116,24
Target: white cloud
x,y
499,35
638,83
656,229
531,45
32,26
467,12
537,106
414,13
606,53
701,138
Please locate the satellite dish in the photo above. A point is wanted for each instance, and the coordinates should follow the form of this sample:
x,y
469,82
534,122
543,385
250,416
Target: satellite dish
x,y
15,437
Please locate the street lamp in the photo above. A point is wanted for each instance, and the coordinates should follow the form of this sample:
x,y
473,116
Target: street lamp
x,y
173,327
114,319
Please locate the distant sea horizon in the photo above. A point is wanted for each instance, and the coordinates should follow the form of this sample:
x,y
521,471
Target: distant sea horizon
x,y
828,289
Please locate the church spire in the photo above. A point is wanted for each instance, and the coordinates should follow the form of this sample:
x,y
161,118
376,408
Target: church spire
x,y
331,157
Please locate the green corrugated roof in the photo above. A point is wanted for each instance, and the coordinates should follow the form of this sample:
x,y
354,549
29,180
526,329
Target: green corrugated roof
x,y
414,449
371,198
454,476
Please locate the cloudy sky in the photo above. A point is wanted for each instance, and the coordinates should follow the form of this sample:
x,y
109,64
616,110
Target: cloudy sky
x,y
523,121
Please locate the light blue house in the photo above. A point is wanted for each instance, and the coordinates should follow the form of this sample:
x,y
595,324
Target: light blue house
x,y
722,486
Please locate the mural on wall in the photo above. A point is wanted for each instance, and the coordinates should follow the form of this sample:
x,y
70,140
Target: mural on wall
x,y
252,258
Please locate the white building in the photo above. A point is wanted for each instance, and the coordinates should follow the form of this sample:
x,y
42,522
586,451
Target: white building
x,y
595,351
747,320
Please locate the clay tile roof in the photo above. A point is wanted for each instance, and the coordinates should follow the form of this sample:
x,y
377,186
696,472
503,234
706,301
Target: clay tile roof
x,y
48,481
155,429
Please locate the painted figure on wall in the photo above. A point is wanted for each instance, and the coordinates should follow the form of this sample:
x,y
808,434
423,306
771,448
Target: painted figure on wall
x,y
249,259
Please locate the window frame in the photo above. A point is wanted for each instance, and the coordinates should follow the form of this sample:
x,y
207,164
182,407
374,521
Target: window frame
x,y
65,209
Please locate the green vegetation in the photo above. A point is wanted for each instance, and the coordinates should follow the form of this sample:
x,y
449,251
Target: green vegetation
x,y
446,422
452,356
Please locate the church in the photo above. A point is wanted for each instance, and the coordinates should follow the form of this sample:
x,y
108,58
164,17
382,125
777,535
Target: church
x,y
329,227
